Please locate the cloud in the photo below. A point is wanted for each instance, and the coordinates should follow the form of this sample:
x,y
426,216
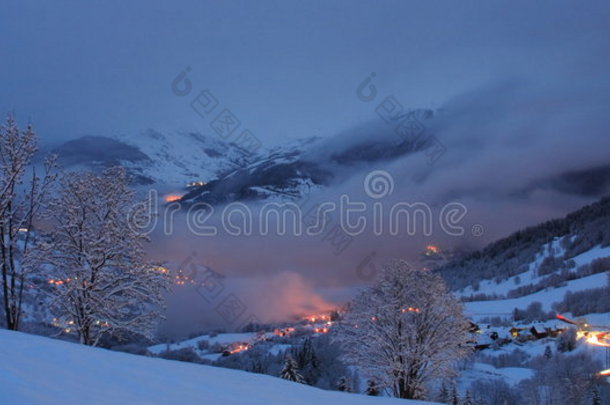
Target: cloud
x,y
275,298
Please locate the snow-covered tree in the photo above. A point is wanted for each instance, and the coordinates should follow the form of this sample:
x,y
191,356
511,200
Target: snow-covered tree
x,y
307,362
372,388
20,206
566,342
596,399
344,384
454,399
290,371
563,379
496,392
443,394
405,330
102,282
548,353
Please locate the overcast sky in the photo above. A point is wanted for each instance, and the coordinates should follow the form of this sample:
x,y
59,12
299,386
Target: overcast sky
x,y
287,69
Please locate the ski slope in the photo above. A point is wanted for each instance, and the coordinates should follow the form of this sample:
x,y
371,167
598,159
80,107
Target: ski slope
x,y
38,370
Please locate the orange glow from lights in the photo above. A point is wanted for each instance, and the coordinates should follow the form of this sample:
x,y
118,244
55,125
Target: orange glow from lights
x,y
317,318
283,332
160,269
596,339
239,348
172,197
58,282
432,250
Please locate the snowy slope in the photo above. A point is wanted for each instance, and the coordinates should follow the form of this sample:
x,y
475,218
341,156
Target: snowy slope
x,y
181,157
547,296
276,173
222,338
531,276
199,166
37,370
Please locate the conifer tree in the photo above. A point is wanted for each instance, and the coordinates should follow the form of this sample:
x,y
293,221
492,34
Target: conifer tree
x,y
291,372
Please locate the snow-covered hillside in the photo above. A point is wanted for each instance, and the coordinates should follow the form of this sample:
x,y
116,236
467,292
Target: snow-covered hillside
x,y
516,314
179,158
546,296
172,159
203,166
513,291
226,341
37,370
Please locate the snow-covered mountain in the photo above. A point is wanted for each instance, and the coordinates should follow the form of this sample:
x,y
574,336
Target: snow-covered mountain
x,y
281,171
172,159
206,168
46,371
202,164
